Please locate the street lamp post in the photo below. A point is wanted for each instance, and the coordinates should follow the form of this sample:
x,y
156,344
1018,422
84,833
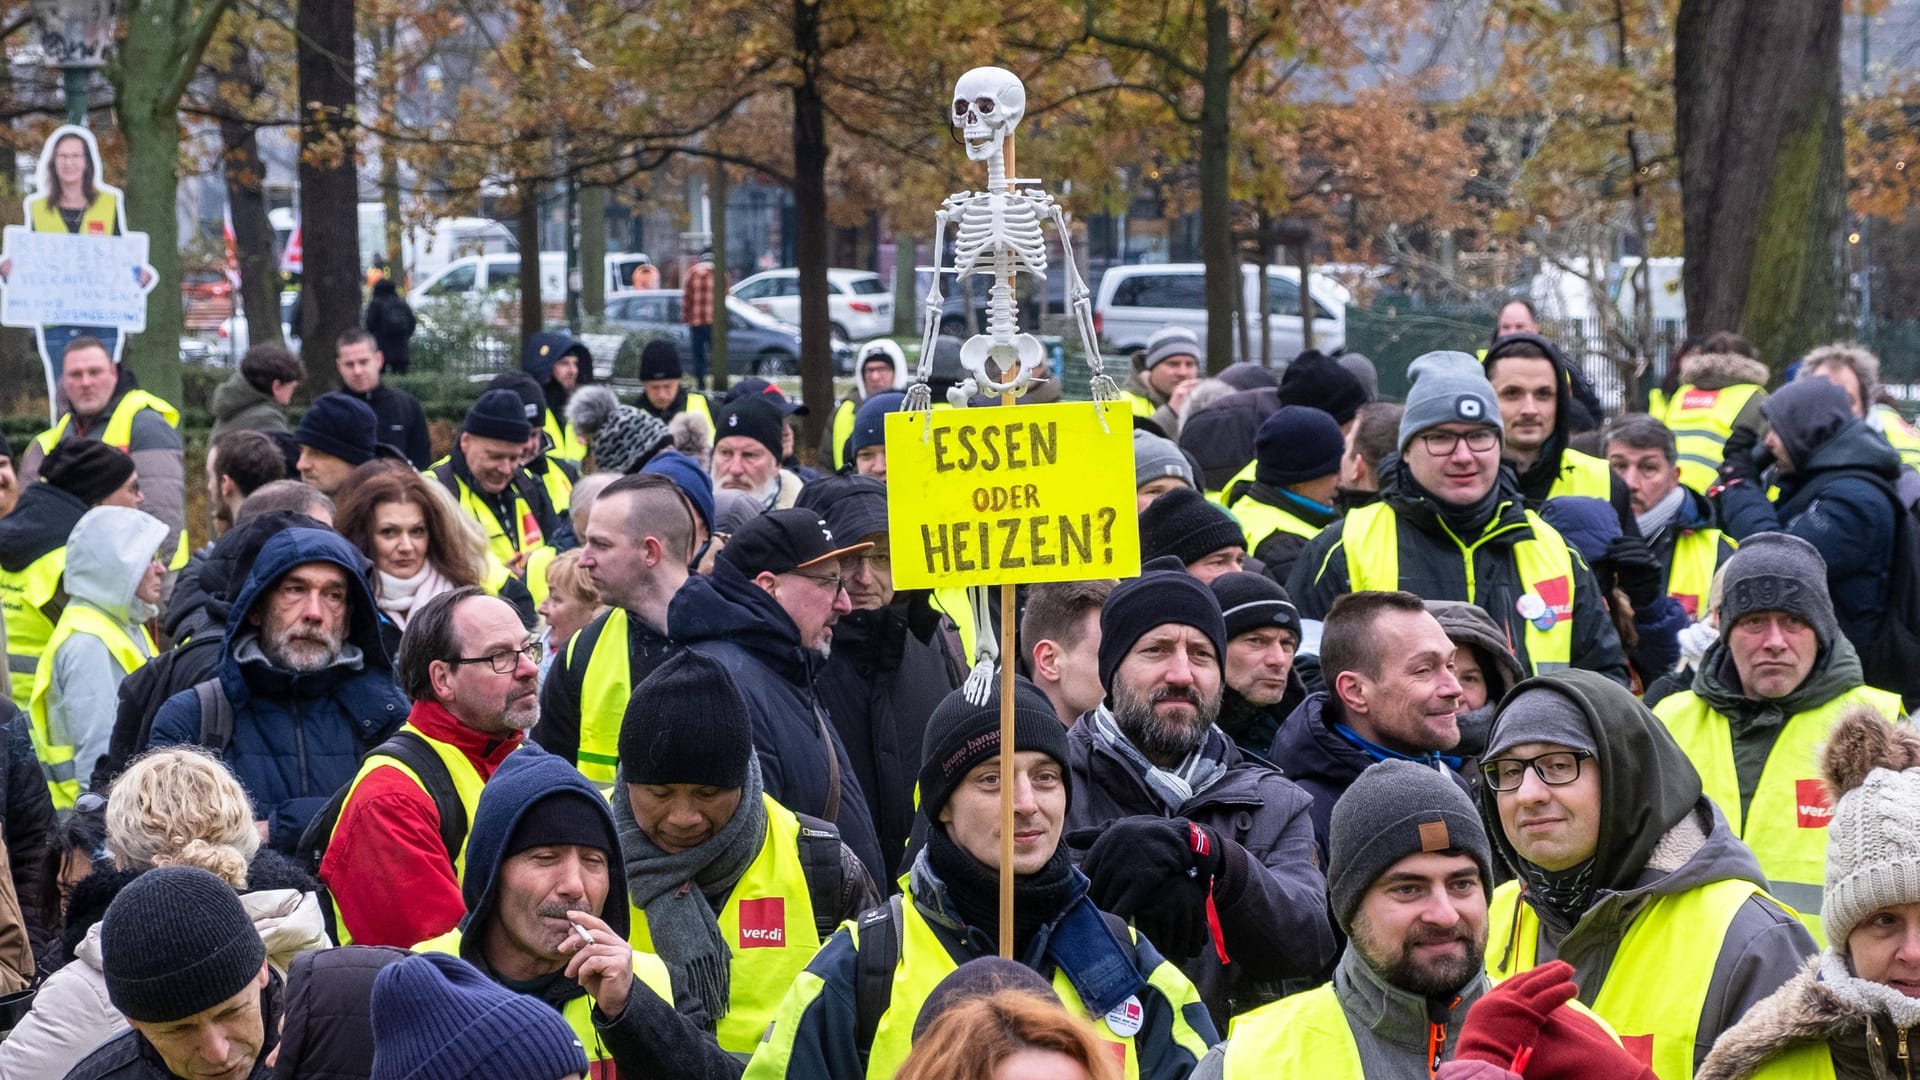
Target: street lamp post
x,y
75,36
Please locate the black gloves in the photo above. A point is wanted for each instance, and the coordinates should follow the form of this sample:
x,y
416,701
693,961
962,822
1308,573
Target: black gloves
x,y
1157,873
1737,456
1634,569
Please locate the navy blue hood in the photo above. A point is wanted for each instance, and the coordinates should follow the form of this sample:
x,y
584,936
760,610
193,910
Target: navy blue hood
x,y
1589,525
295,547
527,776
729,607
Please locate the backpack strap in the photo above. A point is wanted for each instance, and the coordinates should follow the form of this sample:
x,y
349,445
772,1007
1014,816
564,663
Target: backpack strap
x,y
873,965
825,873
409,748
216,715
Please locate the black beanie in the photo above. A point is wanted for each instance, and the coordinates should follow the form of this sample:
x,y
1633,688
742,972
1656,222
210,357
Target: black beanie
x,y
1163,593
342,425
1250,601
1182,523
754,417
1317,381
961,735
1296,444
86,469
977,979
499,414
176,942
564,817
533,397
659,360
686,724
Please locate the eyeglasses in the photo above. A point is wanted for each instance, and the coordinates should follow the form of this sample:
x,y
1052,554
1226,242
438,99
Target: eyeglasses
x,y
1443,443
874,560
834,582
1558,769
506,660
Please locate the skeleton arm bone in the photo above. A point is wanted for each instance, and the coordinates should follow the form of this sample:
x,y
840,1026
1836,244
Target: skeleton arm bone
x,y
1080,303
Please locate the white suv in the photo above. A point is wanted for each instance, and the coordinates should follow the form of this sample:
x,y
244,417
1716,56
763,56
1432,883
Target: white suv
x,y
1134,301
858,302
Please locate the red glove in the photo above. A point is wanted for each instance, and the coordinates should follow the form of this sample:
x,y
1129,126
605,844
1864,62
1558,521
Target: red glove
x,y
1522,1026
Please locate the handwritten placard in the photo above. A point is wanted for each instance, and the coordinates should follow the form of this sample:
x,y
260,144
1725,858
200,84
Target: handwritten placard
x,y
65,279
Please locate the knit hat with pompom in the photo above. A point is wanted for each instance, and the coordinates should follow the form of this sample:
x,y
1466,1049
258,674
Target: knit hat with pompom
x,y
1872,770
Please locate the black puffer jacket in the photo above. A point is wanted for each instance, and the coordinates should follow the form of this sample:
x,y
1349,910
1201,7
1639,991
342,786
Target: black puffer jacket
x,y
729,618
29,822
328,1013
890,667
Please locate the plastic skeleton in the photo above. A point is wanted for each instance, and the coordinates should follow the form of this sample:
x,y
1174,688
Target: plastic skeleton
x,y
998,232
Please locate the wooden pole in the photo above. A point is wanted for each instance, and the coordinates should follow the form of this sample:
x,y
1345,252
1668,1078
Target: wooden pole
x,y
1006,708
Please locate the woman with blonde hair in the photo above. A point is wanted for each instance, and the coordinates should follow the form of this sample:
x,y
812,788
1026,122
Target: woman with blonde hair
x,y
572,602
1010,1035
173,807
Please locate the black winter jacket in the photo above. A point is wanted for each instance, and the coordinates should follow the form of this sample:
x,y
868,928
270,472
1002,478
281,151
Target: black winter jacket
x,y
1271,894
328,1033
729,618
890,667
29,822
403,423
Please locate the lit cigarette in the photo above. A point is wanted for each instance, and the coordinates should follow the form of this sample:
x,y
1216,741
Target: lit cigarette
x,y
583,932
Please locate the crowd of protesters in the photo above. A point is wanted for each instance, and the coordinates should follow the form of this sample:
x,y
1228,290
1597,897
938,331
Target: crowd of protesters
x,y
1485,734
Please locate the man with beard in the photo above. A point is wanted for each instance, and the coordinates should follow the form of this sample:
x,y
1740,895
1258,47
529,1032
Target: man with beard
x,y
1263,634
392,862
1208,852
1391,695
748,448
548,916
1627,871
1408,881
304,687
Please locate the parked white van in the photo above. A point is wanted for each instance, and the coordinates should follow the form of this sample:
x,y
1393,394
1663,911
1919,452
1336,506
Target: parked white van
x,y
472,276
1134,301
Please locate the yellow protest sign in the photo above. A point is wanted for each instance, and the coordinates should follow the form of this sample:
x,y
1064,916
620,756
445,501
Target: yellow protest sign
x,y
1002,495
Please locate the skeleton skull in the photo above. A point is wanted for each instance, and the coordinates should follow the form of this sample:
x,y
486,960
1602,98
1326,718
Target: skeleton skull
x,y
988,103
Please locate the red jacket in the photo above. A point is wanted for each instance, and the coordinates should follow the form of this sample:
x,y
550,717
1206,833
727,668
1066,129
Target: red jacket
x,y
387,869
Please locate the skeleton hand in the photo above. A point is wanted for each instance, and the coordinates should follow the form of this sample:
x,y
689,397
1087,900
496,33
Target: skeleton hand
x,y
978,689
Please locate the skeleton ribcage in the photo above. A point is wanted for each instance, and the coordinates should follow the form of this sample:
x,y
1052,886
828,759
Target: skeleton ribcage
x,y
987,224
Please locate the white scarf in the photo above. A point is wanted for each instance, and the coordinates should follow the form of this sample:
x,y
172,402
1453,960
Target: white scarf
x,y
401,596
1662,512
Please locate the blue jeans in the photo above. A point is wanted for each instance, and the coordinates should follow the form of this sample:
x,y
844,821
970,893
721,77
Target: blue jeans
x,y
701,338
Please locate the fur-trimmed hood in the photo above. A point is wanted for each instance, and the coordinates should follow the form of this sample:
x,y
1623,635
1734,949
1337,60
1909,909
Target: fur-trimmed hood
x,y
1806,1009
1717,371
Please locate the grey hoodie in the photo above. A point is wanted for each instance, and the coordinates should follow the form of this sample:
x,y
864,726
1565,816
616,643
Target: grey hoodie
x,y
107,554
1659,835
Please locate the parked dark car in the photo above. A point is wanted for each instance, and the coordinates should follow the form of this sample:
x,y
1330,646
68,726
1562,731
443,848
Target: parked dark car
x,y
757,343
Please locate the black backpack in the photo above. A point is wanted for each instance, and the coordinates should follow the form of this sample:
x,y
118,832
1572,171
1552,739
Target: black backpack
x,y
409,748
1888,661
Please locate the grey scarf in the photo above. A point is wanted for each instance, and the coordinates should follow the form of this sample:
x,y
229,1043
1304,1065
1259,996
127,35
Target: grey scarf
x,y
1174,787
672,890
1661,513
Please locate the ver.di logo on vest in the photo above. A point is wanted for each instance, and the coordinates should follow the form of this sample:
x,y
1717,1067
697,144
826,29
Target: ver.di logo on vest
x,y
763,923
1810,803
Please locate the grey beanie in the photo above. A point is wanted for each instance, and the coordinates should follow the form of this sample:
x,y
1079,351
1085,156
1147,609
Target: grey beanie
x,y
1447,387
1392,810
1540,715
1155,457
1171,341
1777,572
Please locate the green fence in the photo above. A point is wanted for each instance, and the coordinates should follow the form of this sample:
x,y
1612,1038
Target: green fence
x,y
1392,333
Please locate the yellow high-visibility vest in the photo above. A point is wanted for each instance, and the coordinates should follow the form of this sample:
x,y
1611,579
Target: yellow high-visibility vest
x,y
1700,421
55,747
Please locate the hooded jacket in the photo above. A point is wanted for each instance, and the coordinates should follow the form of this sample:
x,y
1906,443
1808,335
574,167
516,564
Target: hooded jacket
x,y
1835,502
1432,567
844,409
297,737
649,1037
1473,628
1390,1026
890,668
729,618
1271,891
1537,480
1806,1015
391,321
1322,762
237,406
112,549
1659,835
1221,435
1718,371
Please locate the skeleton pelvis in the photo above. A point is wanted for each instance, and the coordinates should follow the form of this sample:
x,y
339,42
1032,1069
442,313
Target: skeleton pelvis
x,y
1018,357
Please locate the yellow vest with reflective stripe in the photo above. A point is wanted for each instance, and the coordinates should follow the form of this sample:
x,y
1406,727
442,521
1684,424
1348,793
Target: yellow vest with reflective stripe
x,y
499,544
768,926
1696,555
1802,1061
537,565
55,748
1138,404
1786,824
953,603
1899,434
559,487
1659,977
100,218
1371,536
119,435
566,441
1259,520
605,688
1302,1035
842,431
1700,421
649,974
924,961
1244,476
24,595
1583,475
466,782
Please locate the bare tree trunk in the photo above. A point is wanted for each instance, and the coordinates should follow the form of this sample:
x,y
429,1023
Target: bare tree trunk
x,y
329,183
1757,122
906,252
593,250
387,103
1304,253
1216,222
810,221
1242,318
245,175
533,317
717,348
